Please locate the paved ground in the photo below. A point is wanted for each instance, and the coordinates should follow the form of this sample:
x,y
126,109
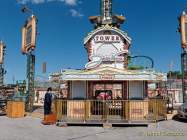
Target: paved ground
x,y
31,129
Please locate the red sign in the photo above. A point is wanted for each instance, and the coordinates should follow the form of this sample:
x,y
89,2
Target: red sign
x,y
107,38
107,77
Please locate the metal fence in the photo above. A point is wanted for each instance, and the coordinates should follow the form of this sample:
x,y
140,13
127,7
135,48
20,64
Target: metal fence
x,y
110,110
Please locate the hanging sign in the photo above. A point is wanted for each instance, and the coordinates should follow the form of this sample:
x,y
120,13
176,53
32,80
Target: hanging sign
x,y
183,30
29,35
2,47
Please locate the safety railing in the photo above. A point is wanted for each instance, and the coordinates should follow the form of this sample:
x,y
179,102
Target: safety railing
x,y
110,110
158,109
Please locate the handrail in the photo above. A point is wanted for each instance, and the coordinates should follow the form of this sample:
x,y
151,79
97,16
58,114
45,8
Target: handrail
x,y
110,110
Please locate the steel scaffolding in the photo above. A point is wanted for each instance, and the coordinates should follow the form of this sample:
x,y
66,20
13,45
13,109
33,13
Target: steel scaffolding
x,y
2,70
30,78
184,74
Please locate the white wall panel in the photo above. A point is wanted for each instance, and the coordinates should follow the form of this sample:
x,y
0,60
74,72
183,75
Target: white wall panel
x,y
136,89
78,89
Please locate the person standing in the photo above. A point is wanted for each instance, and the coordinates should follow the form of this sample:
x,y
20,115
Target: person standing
x,y
49,115
48,102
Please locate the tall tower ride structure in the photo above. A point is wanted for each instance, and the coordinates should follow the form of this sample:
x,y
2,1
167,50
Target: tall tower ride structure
x,y
2,70
106,16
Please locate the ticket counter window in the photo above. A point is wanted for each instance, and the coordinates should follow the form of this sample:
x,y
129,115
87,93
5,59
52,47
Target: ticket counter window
x,y
108,91
103,94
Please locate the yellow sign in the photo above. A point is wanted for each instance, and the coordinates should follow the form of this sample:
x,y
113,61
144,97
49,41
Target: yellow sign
x,y
29,35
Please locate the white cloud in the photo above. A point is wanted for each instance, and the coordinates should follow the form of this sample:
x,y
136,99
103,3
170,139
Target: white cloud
x,y
70,2
38,1
31,1
23,1
75,13
67,2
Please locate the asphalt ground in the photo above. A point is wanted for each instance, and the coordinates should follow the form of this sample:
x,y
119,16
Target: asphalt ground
x,y
30,128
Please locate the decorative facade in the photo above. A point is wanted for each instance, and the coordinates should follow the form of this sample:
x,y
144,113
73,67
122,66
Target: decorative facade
x,y
107,89
107,68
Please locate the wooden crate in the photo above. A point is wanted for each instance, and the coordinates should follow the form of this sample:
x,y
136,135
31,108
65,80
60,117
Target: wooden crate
x,y
15,109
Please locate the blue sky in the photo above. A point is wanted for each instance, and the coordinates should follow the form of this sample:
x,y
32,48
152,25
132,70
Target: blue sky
x,y
63,24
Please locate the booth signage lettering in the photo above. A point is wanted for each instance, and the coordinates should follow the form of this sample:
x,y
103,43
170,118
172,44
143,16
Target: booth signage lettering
x,y
113,59
78,111
107,77
107,39
97,60
137,111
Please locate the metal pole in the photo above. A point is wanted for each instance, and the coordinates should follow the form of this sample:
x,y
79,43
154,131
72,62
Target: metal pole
x,y
30,77
30,70
184,73
2,70
1,75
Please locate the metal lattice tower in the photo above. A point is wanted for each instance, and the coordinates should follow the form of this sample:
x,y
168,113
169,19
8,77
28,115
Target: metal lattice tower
x,y
30,77
30,59
184,74
106,16
183,31
1,75
2,70
106,11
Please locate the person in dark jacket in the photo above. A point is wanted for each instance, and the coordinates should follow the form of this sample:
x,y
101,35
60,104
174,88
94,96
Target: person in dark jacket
x,y
48,101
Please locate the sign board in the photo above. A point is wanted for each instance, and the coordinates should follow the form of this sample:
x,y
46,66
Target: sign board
x,y
2,47
97,60
76,110
119,77
107,38
183,30
44,67
29,35
107,48
107,77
